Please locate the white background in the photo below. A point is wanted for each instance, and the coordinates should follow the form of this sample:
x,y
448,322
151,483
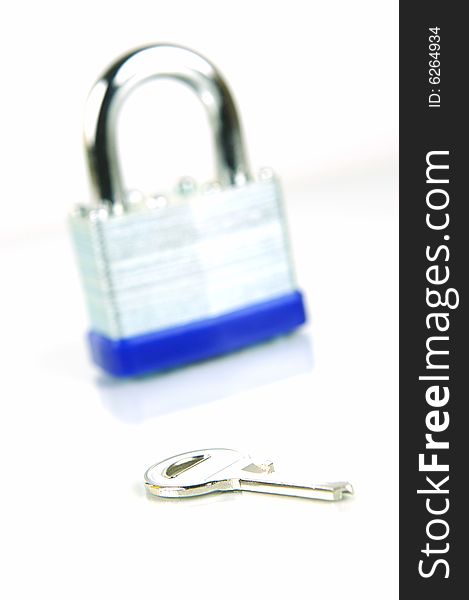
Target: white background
x,y
316,84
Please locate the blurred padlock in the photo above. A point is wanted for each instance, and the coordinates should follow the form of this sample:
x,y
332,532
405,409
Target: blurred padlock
x,y
192,274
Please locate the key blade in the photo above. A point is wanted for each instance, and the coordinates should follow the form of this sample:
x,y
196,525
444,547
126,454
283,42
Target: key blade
x,y
321,491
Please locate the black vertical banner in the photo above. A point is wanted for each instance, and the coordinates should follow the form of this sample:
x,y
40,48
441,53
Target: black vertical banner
x,y
434,250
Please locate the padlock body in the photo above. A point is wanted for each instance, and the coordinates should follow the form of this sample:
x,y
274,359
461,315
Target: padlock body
x,y
194,278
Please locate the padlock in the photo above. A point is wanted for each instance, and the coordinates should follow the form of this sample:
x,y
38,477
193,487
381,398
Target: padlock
x,y
195,273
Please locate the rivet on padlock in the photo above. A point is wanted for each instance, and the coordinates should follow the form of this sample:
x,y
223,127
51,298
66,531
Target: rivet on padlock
x,y
198,274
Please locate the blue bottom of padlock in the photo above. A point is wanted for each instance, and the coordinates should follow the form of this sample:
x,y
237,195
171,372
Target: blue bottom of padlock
x,y
178,346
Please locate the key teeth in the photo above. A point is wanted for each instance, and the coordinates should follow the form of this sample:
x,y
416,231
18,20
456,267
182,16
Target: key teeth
x,y
339,490
266,466
343,488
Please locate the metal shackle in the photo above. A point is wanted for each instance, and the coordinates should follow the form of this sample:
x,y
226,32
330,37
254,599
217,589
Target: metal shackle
x,y
159,61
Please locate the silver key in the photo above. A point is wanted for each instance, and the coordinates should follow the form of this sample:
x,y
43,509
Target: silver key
x,y
222,470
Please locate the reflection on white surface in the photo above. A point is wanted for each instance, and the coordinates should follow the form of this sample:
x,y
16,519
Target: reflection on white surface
x,y
83,528
134,401
184,504
341,417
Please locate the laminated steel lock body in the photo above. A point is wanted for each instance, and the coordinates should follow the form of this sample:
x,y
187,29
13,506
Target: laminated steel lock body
x,y
169,283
